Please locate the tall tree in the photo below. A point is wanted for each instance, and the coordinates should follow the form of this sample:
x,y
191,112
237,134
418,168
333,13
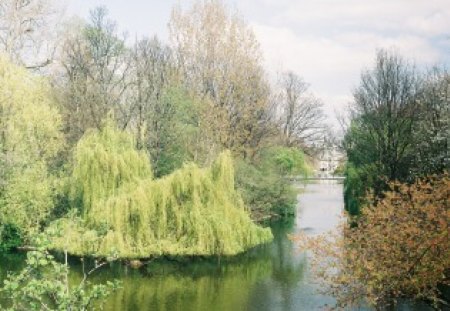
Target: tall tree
x,y
380,141
220,60
30,139
164,118
301,114
385,109
433,129
96,65
153,72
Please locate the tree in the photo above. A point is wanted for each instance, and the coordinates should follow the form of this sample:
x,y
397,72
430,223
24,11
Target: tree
x,y
96,66
30,140
27,31
220,60
387,104
264,184
164,117
153,71
301,115
433,128
380,138
399,247
174,135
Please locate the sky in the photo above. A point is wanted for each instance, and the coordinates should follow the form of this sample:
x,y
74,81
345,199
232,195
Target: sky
x,y
326,42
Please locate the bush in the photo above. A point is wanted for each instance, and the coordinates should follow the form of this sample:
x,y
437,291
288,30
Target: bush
x,y
10,237
263,184
398,248
44,285
358,181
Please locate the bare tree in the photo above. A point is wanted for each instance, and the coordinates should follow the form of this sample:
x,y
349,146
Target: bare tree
x,y
300,113
96,64
27,31
220,60
153,72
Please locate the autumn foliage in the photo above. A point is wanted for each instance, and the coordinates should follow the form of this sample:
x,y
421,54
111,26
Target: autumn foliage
x,y
399,247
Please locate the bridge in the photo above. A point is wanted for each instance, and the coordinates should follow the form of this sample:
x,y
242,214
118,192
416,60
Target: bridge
x,y
315,178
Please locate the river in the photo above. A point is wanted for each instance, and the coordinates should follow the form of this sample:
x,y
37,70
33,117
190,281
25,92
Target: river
x,y
271,277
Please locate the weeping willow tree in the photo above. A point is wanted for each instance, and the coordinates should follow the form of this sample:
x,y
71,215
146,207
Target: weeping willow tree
x,y
128,214
105,161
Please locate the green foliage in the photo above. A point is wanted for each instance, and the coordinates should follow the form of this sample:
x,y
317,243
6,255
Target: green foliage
x,y
10,237
30,139
104,161
28,199
172,131
44,285
399,128
127,214
263,184
358,181
290,161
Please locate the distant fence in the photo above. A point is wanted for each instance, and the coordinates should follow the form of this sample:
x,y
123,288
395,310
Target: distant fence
x,y
313,178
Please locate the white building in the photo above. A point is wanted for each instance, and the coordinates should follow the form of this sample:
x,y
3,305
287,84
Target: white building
x,y
329,159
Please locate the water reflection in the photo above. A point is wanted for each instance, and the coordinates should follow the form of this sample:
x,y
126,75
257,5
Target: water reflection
x,y
252,281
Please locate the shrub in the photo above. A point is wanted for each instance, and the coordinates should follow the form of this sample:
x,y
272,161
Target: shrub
x,y
264,185
10,237
398,247
44,285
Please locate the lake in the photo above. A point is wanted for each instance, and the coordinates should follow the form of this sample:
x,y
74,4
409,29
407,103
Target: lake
x,y
274,277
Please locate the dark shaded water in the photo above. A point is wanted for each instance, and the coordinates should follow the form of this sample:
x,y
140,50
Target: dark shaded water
x,y
271,277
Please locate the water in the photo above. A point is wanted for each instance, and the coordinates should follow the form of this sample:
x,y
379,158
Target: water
x,y
272,277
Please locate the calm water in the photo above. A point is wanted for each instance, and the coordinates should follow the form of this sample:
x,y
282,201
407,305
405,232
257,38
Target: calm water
x,y
271,277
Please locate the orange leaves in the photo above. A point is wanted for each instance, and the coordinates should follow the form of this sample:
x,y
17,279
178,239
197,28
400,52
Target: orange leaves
x,y
400,247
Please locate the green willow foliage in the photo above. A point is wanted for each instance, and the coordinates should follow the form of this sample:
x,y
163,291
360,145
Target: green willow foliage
x,y
128,214
30,140
104,161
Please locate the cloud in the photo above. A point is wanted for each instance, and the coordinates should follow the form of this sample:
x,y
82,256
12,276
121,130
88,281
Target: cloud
x,y
430,17
329,42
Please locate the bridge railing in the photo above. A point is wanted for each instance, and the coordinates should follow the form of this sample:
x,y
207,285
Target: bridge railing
x,y
306,178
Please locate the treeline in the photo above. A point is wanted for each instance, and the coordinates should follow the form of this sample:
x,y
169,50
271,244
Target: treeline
x,y
399,128
186,101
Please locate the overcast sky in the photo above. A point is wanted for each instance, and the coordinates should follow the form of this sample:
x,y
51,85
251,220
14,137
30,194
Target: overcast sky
x,y
327,42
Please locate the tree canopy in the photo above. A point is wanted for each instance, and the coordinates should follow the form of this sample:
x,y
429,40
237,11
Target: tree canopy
x,y
30,139
128,214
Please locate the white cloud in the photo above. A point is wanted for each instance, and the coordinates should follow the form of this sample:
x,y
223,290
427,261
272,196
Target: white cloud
x,y
329,42
427,17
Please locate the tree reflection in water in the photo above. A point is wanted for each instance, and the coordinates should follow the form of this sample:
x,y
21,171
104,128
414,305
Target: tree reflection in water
x,y
250,281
